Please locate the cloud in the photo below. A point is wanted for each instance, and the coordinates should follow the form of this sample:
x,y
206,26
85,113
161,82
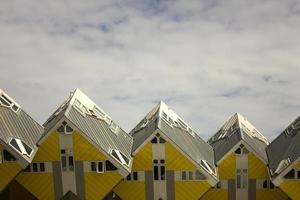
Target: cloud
x,y
206,59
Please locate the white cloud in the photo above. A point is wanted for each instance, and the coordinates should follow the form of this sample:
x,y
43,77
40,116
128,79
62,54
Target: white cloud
x,y
207,60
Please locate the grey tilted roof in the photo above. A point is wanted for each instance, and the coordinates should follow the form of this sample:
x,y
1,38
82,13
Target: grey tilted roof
x,y
237,129
191,144
285,149
95,128
21,126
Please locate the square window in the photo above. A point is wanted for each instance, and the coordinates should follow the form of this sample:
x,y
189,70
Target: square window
x,y
34,167
42,167
93,166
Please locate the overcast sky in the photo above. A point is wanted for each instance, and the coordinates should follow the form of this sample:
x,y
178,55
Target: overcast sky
x,y
205,59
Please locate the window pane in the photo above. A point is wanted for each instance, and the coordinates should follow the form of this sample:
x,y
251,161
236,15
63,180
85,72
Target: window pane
x,y
238,181
64,163
183,175
155,161
265,184
238,151
110,166
7,156
162,172
100,167
27,169
161,140
245,181
14,143
155,171
93,166
190,175
27,148
272,186
298,174
135,176
61,129
42,167
154,140
198,175
71,163
128,177
3,102
290,174
35,167
69,129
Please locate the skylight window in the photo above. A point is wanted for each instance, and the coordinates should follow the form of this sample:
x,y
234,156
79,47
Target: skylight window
x,y
113,127
7,102
21,147
98,112
120,157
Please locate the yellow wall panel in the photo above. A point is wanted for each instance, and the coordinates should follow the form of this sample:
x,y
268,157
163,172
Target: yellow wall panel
x,y
191,190
177,161
39,184
131,190
215,194
98,185
257,169
291,188
143,159
297,166
227,167
8,170
49,149
265,194
84,150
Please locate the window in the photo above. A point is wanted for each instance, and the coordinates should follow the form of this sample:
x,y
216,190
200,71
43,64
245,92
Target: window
x,y
97,166
158,139
67,162
242,150
241,178
35,167
192,175
207,166
7,156
114,127
183,175
132,176
21,146
7,102
218,185
199,176
65,128
159,169
120,157
290,174
109,166
267,184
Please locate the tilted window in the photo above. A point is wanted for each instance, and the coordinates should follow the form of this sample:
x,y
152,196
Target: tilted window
x,y
67,161
21,146
159,169
158,139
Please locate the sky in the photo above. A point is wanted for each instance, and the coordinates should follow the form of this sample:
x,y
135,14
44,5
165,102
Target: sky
x,y
206,59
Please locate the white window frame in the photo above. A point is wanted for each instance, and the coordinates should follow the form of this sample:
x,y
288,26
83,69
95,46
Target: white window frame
x,y
11,104
161,164
21,146
67,155
97,166
120,156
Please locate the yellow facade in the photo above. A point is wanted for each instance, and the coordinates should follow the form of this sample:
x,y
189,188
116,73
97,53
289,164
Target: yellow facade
x,y
190,189
97,185
292,187
143,159
257,169
8,170
49,149
220,194
226,168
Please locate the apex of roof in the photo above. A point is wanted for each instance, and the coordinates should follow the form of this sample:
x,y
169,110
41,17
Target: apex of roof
x,y
18,131
237,129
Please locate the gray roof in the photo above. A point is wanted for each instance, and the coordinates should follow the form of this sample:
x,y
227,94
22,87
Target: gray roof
x,y
191,144
97,129
21,126
284,149
237,129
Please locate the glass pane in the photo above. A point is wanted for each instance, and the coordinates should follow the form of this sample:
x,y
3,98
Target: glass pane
x,y
128,177
15,108
245,181
42,167
190,175
7,156
14,143
162,173
290,174
198,175
183,175
100,167
27,148
155,171
110,166
69,129
265,184
27,169
238,181
35,167
71,163
64,163
135,176
154,140
161,140
61,129
93,166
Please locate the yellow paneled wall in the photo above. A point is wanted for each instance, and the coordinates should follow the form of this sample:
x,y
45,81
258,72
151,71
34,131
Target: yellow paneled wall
x,y
39,184
257,169
131,190
98,185
8,170
215,194
292,187
49,149
269,194
143,159
191,190
176,161
226,168
84,150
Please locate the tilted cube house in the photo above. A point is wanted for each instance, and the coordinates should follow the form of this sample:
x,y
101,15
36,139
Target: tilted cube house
x,y
81,153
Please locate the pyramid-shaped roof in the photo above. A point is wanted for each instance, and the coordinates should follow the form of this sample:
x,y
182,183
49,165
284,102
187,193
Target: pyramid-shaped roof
x,y
94,124
285,149
18,131
163,118
237,129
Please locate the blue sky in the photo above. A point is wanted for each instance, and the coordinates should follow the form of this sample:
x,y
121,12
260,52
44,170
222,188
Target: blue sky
x,y
206,59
